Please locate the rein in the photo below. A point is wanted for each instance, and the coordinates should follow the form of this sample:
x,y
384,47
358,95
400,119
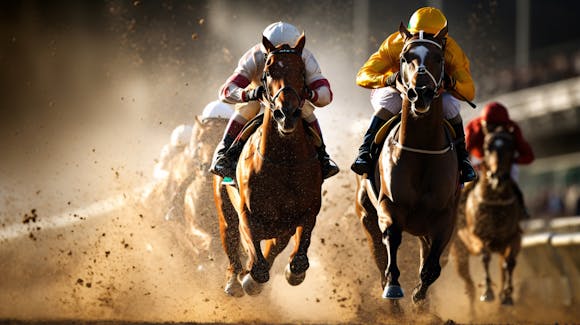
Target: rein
x,y
271,105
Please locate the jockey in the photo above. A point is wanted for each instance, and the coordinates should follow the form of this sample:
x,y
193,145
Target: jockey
x,y
381,72
493,115
244,88
178,142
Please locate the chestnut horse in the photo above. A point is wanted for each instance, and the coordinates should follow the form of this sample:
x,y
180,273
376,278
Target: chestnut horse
x,y
488,217
279,181
416,176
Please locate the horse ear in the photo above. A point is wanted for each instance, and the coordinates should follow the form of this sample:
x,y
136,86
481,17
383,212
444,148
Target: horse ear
x,y
299,46
267,44
442,34
404,31
198,120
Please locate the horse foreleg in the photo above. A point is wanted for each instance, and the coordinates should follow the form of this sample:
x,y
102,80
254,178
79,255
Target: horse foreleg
x,y
461,255
508,265
431,250
230,237
296,270
259,270
376,245
274,247
392,240
488,293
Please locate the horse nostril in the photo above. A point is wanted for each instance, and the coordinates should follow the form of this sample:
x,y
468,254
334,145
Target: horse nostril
x,y
278,115
428,93
412,94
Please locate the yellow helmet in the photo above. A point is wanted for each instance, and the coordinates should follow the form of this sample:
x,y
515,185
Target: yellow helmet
x,y
429,19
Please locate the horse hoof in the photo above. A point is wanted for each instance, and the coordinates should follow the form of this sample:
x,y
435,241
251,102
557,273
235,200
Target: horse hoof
x,y
487,296
234,288
251,287
419,295
507,301
393,292
293,278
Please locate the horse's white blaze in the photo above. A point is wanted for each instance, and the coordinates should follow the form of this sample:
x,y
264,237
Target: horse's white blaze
x,y
421,51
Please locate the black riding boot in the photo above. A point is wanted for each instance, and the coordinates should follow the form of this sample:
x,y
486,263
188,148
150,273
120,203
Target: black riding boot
x,y
222,164
468,174
225,157
329,167
520,198
364,162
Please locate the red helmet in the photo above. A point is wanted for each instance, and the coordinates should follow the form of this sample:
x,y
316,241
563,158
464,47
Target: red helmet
x,y
495,113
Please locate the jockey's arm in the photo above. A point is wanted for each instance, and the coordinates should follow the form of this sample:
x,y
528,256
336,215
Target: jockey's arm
x,y
525,154
380,65
321,94
234,89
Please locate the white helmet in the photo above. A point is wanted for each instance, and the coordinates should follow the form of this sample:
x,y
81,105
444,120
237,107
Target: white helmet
x,y
181,135
282,33
217,110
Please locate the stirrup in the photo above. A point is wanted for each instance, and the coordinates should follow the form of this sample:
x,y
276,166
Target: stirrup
x,y
229,181
362,164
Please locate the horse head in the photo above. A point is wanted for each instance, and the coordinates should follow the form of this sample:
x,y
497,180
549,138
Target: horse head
x,y
499,148
284,83
422,65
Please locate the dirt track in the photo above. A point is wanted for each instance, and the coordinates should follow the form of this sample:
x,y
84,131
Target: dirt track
x,y
131,266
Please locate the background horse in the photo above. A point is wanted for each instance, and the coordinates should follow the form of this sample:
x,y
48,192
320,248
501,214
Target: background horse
x,y
417,173
279,181
181,196
489,215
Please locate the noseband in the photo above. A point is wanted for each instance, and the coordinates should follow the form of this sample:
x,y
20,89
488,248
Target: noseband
x,y
271,99
421,69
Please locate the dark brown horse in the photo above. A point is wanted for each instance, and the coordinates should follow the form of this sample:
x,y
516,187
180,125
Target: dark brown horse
x,y
417,175
279,181
489,215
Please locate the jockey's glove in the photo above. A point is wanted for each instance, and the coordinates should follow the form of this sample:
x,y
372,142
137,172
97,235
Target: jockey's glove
x,y
448,82
392,79
255,94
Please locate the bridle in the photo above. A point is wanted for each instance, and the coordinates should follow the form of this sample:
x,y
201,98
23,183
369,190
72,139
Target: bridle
x,y
271,99
421,69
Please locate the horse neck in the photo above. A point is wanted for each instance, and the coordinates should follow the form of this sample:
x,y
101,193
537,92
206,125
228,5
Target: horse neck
x,y
276,147
484,182
426,131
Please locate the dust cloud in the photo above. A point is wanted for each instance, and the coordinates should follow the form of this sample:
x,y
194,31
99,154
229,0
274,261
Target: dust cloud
x,y
91,94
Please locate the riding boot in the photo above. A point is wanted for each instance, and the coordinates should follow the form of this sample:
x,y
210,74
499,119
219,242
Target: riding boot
x,y
364,162
225,157
329,167
520,198
467,172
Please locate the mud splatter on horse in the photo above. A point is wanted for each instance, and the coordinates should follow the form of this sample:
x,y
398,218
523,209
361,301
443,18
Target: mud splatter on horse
x,y
278,193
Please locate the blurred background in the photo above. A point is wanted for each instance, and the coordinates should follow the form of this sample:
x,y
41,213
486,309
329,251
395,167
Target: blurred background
x,y
91,90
